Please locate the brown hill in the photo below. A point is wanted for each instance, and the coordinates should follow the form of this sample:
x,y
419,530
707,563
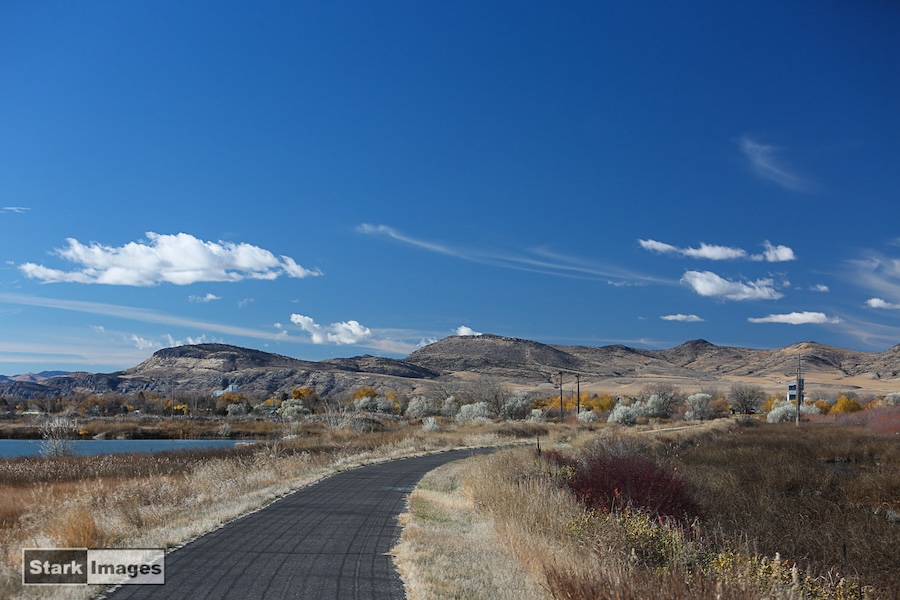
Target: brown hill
x,y
456,361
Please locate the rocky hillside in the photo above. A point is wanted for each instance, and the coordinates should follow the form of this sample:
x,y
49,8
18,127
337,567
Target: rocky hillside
x,y
203,368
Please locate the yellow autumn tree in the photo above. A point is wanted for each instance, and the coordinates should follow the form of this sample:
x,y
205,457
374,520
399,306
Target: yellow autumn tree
x,y
365,391
846,405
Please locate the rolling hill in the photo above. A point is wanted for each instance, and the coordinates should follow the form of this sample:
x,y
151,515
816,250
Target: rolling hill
x,y
456,360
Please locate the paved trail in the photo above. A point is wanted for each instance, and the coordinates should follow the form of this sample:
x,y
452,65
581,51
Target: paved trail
x,y
328,540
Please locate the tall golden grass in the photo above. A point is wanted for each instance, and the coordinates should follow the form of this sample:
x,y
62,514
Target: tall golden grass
x,y
782,513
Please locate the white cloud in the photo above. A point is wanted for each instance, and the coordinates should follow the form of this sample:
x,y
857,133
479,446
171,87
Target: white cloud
x,y
707,283
820,287
180,259
143,343
660,247
206,298
879,303
775,253
682,318
188,341
706,251
463,330
715,252
763,161
345,332
797,318
14,209
712,252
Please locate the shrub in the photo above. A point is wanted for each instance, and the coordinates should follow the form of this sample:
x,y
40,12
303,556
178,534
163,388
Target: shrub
x,y
698,407
588,416
607,482
623,415
385,404
517,406
655,406
430,424
892,399
420,406
473,412
224,430
450,407
785,412
291,409
807,408
366,404
537,414
846,405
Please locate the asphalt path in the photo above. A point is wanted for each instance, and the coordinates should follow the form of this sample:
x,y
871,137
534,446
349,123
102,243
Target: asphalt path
x,y
327,540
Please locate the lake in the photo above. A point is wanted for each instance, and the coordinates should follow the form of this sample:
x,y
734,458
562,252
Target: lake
x,y
18,448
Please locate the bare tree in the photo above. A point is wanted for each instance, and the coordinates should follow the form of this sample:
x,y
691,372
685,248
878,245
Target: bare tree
x,y
489,391
745,398
58,433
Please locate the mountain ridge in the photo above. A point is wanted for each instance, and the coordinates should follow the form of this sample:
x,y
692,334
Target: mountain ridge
x,y
454,360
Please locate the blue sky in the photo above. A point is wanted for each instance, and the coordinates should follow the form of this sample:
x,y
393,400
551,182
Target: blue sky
x,y
323,179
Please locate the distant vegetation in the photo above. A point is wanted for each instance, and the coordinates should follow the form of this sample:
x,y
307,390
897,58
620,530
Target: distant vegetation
x,y
142,415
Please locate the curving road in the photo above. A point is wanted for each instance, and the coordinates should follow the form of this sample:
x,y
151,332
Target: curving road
x,y
328,540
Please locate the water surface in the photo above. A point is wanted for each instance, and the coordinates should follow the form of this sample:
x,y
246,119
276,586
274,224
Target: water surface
x,y
17,448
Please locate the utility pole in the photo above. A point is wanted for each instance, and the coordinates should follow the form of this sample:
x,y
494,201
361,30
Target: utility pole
x,y
578,392
561,410
799,387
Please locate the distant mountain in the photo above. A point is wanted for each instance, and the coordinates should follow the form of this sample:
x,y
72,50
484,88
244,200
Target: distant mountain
x,y
36,377
456,360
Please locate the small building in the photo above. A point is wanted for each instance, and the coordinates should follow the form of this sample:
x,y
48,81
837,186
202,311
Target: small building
x,y
231,388
794,388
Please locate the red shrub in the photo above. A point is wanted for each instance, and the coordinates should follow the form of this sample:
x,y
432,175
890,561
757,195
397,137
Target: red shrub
x,y
607,482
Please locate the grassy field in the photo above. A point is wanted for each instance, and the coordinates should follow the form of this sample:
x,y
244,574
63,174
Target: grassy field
x,y
718,510
165,499
727,510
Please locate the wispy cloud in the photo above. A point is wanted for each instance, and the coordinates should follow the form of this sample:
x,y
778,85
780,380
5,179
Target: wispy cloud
x,y
390,232
797,318
142,315
539,260
877,274
14,209
708,284
180,259
706,251
765,163
820,287
207,298
682,318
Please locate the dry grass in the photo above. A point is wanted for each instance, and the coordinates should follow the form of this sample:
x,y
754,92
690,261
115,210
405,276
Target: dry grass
x,y
825,496
786,513
446,551
166,499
